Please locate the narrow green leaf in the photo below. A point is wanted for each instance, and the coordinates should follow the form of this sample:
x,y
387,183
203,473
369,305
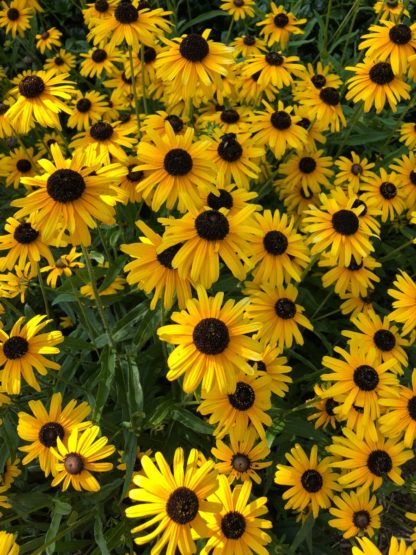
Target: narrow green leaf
x,y
105,380
189,420
201,19
99,536
304,533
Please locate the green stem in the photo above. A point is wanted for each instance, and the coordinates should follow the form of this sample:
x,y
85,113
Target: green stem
x,y
133,86
323,303
10,306
398,249
97,297
142,63
43,290
91,331
355,9
328,314
326,29
230,28
101,236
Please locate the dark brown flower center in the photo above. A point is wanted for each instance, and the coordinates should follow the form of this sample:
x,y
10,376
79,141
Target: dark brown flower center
x,y
274,59
356,169
233,525
149,54
229,148
249,40
176,123
361,519
384,340
306,195
74,463
366,377
281,20
330,96
15,347
411,407
49,433
412,177
379,462
285,309
211,336
238,3
223,200
83,105
354,266
134,176
31,86
230,116
25,234
318,80
330,404
400,34
126,13
345,222
165,257
388,190
13,14
45,35
307,164
240,462
212,225
304,122
312,481
194,48
182,506
3,108
178,162
275,242
59,61
243,397
358,204
101,131
23,165
101,6
381,73
65,186
99,55
281,120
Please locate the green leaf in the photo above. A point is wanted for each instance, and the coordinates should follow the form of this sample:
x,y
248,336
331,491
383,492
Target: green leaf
x,y
105,379
60,509
304,534
189,420
99,536
64,298
201,19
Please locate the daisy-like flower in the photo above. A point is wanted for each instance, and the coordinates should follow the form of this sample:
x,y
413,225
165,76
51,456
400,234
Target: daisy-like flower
x,y
397,547
238,9
23,242
10,473
355,513
277,127
63,266
173,501
296,199
236,119
205,237
211,343
400,418
279,25
69,197
276,368
248,46
408,134
8,546
100,60
100,9
131,24
352,172
237,528
43,429
20,163
48,40
23,349
357,304
387,193
412,517
273,69
236,158
360,379
62,62
376,83
39,100
404,303
311,169
356,278
312,482
279,253
391,10
177,170
15,18
368,462
277,315
390,42
337,227
242,458
316,77
231,197
325,414
245,405
406,168
324,105
79,457
193,62
379,334
88,109
157,122
17,283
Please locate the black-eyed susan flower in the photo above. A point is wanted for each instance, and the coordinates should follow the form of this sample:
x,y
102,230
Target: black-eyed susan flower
x,y
355,513
336,227
325,415
238,9
277,127
273,68
396,547
211,343
63,266
68,197
236,119
317,77
100,60
391,10
279,253
20,163
276,367
404,303
79,457
62,62
359,423
244,455
368,462
387,192
390,42
310,168
312,482
206,236
157,122
24,242
352,172
245,404
237,528
100,9
379,334
8,545
5,127
296,198
48,40
43,429
153,271
279,25
16,284
41,97
356,278
23,350
247,46
357,304
231,197
412,517
400,418
147,55
408,134
10,472
15,18
173,502
127,185
177,170
376,83
405,167
360,379
277,315
324,105
88,109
